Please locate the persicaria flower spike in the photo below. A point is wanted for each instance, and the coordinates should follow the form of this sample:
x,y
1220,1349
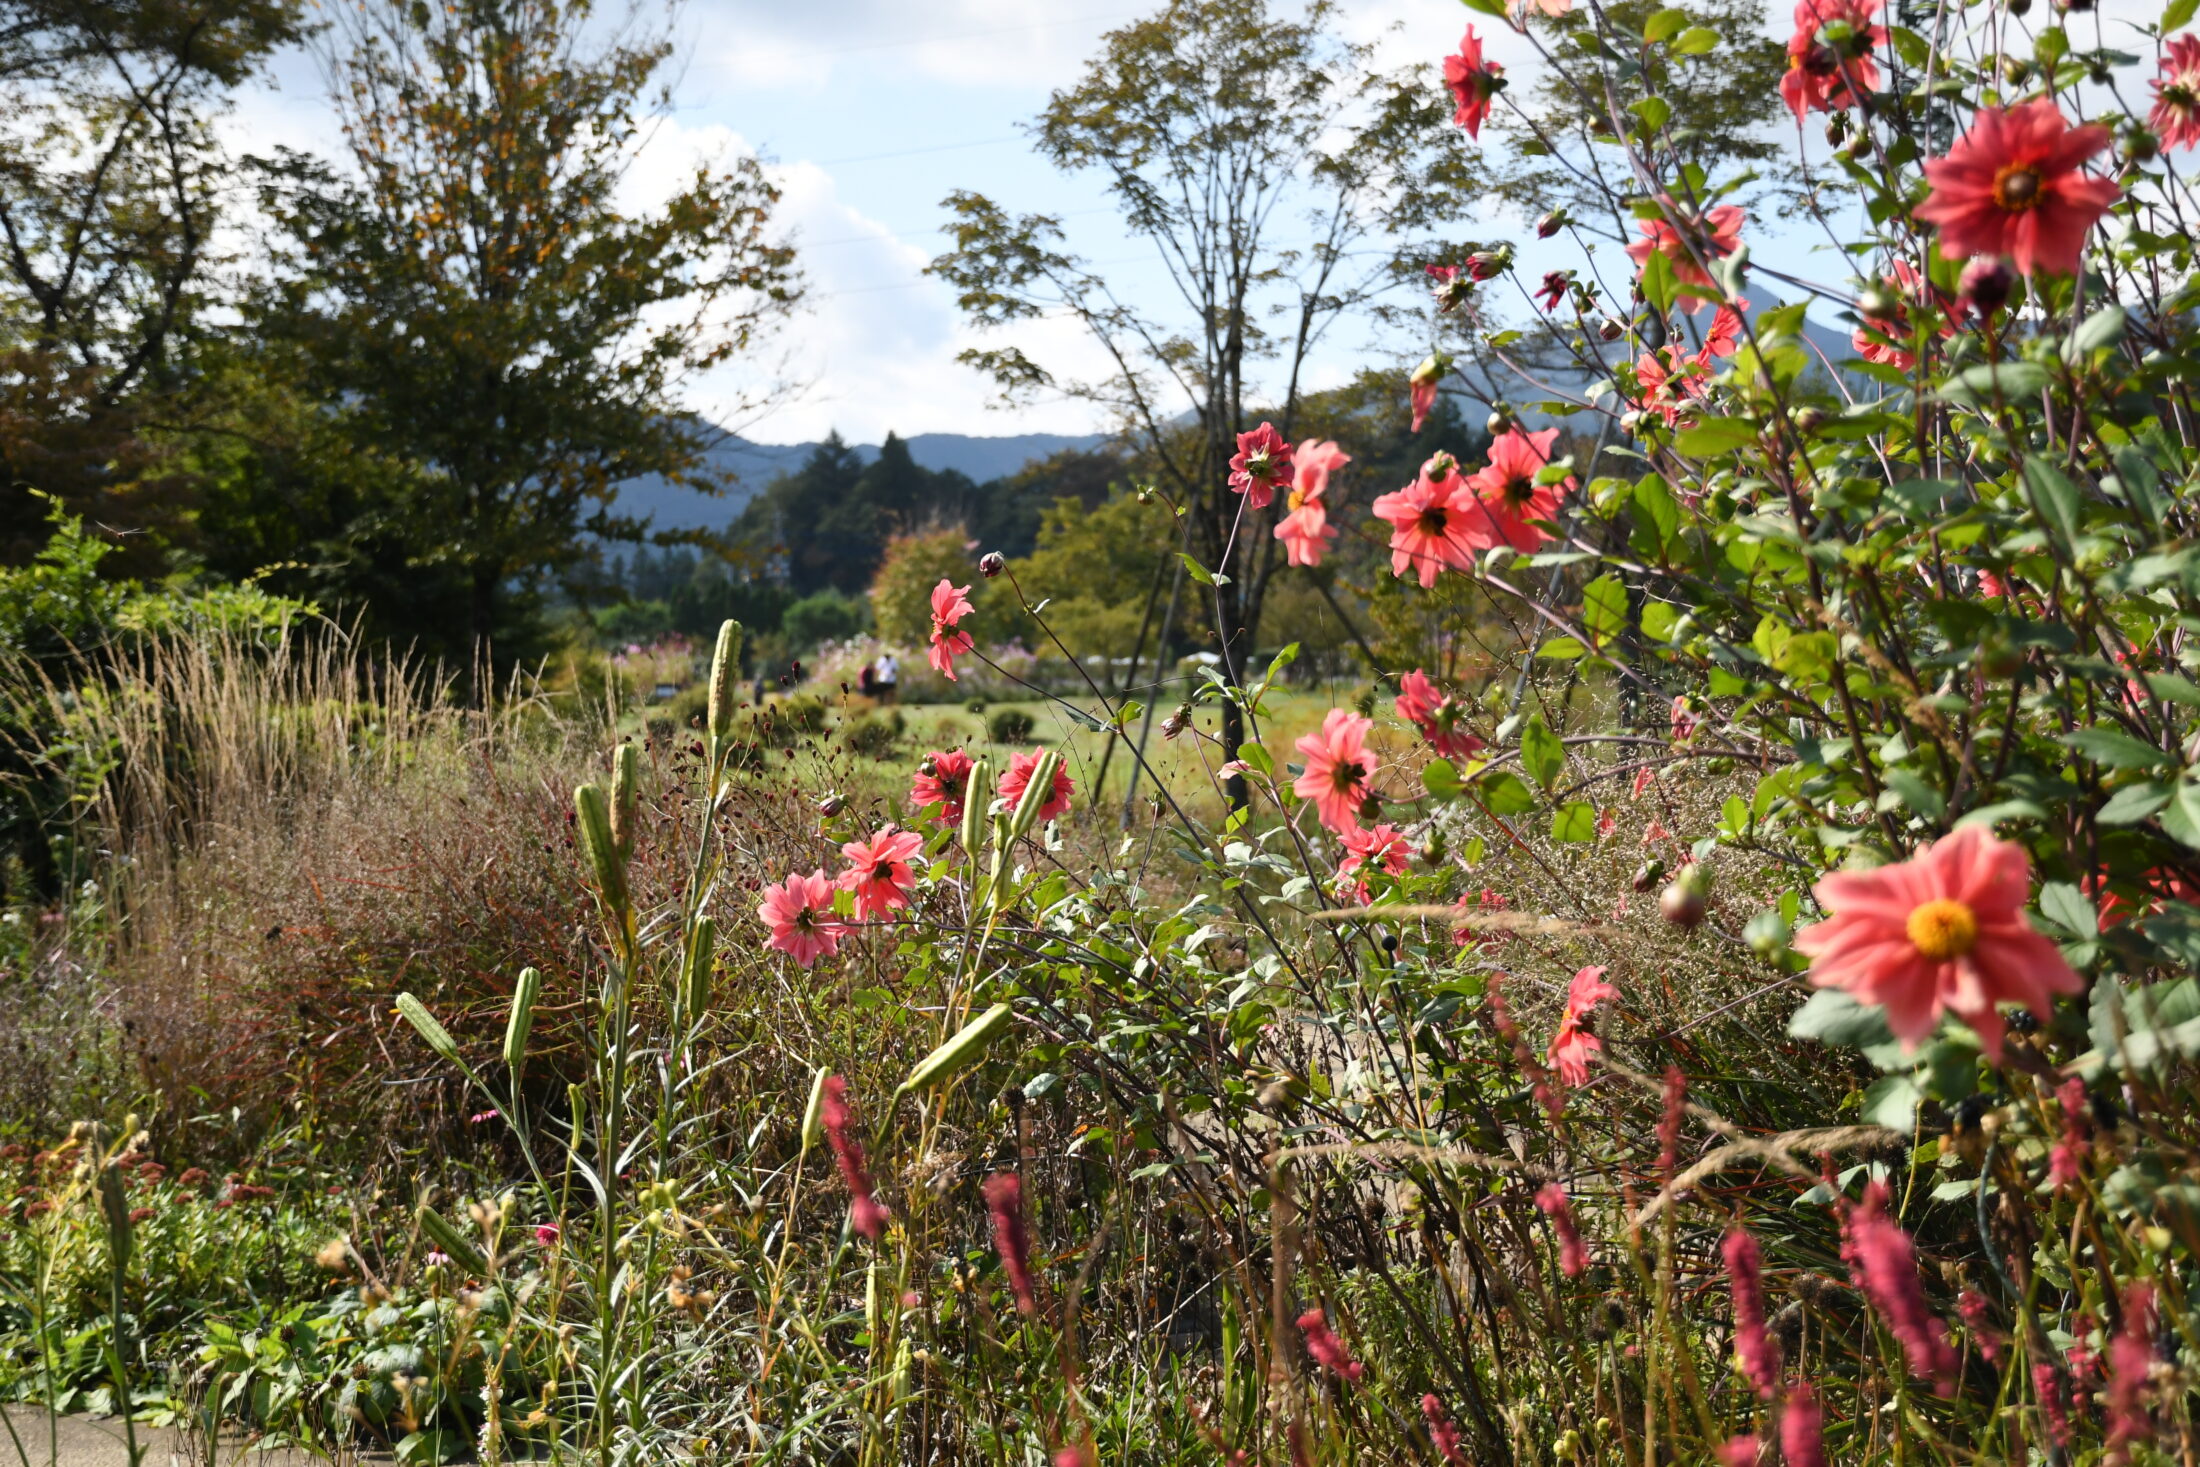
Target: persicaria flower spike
x,y
1328,1351
2015,185
1262,462
1004,1203
950,604
865,1213
878,871
1443,1431
1943,932
1745,1277
1573,1256
1884,1266
799,911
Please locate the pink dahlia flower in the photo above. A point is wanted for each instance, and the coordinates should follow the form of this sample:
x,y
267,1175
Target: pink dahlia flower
x,y
1506,496
950,604
1573,1046
1428,520
1337,767
1474,82
1262,462
1439,716
2015,185
1691,247
1305,529
942,779
799,912
878,871
1943,932
1020,769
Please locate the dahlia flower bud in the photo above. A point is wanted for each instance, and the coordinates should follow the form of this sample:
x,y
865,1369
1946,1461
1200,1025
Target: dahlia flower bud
x,y
626,778
1611,329
1878,303
1986,285
991,564
1551,224
1485,264
832,805
1685,900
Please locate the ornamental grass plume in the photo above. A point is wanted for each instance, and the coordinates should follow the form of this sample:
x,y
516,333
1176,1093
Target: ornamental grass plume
x,y
1328,1351
879,873
865,1213
1759,1355
2015,185
1004,1203
1337,767
1943,932
1573,1256
1883,1264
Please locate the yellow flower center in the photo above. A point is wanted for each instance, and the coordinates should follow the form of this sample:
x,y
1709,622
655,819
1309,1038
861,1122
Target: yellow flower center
x,y
2016,189
1297,499
1942,929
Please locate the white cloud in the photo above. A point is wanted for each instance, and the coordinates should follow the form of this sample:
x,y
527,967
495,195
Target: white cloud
x,y
961,42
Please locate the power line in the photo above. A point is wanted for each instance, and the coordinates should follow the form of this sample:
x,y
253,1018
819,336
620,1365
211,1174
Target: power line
x,y
1005,30
914,152
907,235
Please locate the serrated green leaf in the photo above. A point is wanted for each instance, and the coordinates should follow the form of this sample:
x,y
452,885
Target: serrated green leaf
x,y
1604,608
1664,25
2066,907
2134,803
1503,793
1574,822
2115,748
1710,437
1833,1018
1441,778
1695,41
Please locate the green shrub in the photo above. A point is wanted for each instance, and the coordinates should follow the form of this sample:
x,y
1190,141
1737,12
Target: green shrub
x,y
875,734
1010,726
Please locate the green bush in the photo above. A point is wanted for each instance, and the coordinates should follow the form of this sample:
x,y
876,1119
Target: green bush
x,y
1010,726
875,734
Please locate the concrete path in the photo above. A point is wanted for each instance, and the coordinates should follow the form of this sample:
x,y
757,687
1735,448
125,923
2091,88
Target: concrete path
x,y
81,1441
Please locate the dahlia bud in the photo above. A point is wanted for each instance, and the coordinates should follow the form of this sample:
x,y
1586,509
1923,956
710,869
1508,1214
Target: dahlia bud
x,y
1837,129
1649,874
1371,808
1484,264
991,564
1551,224
831,805
1501,419
1810,419
1878,303
1610,329
1177,722
1985,285
2140,145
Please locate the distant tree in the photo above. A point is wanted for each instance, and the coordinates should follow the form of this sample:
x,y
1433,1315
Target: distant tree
x,y
826,616
474,300
1273,172
1099,570
901,595
829,522
111,188
1004,513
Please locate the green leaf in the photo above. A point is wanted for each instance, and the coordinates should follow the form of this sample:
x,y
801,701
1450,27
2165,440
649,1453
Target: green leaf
x,y
2134,803
1891,1101
1710,437
1664,25
1441,778
2059,500
1562,649
1695,41
1655,112
2178,15
2066,907
1256,757
2116,749
1996,380
1833,1018
2182,817
1575,821
1659,618
1658,282
1198,572
1542,754
2104,327
1915,793
1657,518
1604,608
1503,793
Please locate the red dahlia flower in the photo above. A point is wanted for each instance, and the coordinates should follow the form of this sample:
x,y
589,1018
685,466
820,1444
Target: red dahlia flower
x,y
950,604
1262,462
1337,767
1691,246
1436,715
1428,521
1830,55
2015,186
942,779
878,871
1473,82
1507,496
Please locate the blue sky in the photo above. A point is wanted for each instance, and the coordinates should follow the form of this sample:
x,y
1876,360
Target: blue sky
x,y
871,113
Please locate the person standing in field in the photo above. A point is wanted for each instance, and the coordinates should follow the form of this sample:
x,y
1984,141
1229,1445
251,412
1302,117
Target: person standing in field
x,y
886,677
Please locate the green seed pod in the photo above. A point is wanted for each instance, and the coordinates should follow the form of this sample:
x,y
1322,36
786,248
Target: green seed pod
x,y
524,994
725,671
596,843
461,1248
626,779
1035,793
977,795
696,972
961,1052
813,1114
416,1014
114,1205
